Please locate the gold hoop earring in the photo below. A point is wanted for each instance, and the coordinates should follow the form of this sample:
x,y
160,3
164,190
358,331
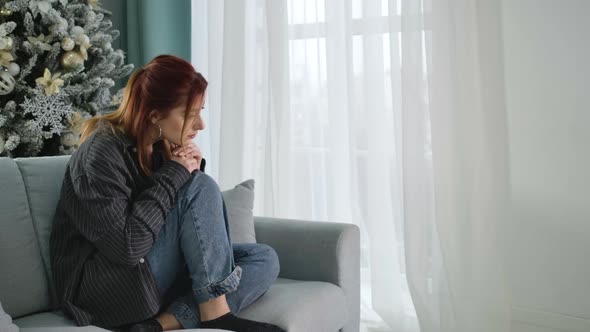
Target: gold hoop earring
x,y
160,132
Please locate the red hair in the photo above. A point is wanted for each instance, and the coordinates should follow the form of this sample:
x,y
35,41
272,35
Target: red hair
x,y
164,83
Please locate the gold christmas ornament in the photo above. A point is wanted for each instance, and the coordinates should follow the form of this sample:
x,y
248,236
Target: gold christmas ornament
x,y
5,12
70,60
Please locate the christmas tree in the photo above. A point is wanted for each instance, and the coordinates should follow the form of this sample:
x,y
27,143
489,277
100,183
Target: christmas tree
x,y
57,68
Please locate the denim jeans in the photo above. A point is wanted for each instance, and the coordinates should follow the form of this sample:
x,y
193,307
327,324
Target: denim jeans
x,y
194,261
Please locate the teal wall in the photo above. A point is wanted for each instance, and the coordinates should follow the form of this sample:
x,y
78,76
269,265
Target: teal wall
x,y
151,27
158,27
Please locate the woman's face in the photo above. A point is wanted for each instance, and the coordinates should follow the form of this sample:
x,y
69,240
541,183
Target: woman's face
x,y
172,124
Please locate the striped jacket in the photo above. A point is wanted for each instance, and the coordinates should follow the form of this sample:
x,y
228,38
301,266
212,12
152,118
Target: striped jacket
x,y
106,221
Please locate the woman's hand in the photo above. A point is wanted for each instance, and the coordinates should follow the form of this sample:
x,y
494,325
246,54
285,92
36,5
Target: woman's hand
x,y
189,163
190,150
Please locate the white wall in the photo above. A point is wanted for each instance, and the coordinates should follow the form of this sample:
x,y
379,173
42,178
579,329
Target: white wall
x,y
547,64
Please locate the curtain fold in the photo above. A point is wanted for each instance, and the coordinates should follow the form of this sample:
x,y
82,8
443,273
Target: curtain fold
x,y
384,113
470,162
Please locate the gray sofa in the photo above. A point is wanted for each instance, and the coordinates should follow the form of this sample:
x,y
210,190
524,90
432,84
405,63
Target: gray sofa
x,y
317,290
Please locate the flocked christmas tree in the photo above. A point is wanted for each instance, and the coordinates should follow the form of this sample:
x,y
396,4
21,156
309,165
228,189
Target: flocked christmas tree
x,y
57,68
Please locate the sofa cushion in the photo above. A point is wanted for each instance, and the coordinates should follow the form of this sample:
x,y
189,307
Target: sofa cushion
x,y
291,304
56,322
51,321
43,177
300,306
23,280
239,202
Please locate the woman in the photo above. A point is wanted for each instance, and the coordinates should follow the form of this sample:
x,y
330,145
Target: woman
x,y
140,239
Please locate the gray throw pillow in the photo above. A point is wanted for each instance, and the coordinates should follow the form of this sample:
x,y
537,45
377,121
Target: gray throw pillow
x,y
239,203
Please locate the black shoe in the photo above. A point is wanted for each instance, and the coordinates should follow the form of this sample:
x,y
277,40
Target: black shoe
x,y
148,325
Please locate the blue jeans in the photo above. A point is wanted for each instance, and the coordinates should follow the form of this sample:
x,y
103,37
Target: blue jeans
x,y
194,261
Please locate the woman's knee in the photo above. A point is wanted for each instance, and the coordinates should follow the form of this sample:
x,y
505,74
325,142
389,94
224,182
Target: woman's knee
x,y
200,182
271,259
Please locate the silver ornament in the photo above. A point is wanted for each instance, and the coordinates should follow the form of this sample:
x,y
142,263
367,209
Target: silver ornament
x,y
13,68
6,83
82,39
68,44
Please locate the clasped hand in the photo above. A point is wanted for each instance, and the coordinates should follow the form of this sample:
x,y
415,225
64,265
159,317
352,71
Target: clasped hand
x,y
188,155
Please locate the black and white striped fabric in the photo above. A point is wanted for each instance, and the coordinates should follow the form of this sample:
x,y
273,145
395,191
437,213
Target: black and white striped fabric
x,y
105,223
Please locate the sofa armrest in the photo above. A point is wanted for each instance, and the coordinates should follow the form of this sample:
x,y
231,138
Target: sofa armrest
x,y
317,251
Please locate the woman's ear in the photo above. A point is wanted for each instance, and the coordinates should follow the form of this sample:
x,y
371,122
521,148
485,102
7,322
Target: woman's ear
x,y
154,116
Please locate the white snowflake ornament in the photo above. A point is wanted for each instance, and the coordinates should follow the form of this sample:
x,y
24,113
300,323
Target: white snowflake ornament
x,y
48,113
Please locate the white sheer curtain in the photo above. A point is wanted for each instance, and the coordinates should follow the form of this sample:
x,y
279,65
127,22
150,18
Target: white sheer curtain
x,y
386,114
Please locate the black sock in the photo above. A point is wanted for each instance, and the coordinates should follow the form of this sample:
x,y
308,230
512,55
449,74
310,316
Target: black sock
x,y
148,325
232,322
